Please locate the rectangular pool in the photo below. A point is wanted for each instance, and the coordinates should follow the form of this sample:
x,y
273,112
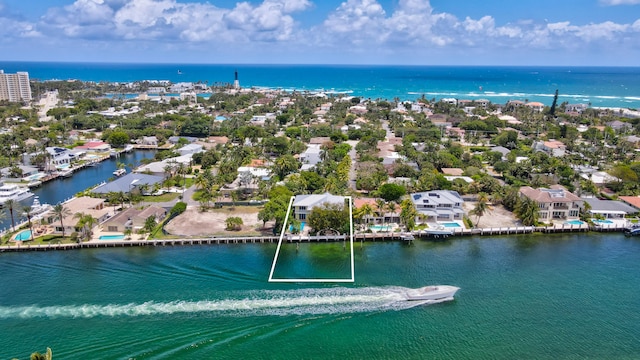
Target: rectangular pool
x,y
111,237
574,222
450,225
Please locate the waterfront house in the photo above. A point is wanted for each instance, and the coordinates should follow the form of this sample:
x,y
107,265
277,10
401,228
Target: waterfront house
x,y
128,183
81,205
379,216
439,205
535,106
95,147
609,209
149,141
133,219
555,203
303,204
60,156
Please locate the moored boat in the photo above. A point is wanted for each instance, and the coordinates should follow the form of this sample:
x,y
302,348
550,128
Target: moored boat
x,y
433,292
120,172
13,192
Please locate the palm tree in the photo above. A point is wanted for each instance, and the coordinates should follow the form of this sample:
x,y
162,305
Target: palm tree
x,y
27,212
527,211
60,211
380,207
11,204
87,222
391,207
481,207
408,214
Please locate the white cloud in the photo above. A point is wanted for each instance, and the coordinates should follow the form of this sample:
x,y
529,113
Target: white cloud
x,y
619,2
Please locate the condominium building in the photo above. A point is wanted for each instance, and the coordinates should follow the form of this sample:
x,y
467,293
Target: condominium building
x,y
15,87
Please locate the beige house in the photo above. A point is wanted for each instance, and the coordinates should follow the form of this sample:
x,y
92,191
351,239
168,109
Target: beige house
x,y
81,205
556,203
133,219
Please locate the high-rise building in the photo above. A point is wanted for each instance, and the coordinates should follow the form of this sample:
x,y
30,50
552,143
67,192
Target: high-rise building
x,y
15,87
236,82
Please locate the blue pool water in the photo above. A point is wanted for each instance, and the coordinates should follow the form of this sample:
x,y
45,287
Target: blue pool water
x,y
301,226
111,237
574,222
380,227
450,225
24,235
597,221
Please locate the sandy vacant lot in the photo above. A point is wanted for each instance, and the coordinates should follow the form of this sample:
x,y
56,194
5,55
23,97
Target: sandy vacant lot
x,y
496,216
194,222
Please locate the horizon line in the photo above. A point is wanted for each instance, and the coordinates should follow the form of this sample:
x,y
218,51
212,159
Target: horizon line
x,y
308,64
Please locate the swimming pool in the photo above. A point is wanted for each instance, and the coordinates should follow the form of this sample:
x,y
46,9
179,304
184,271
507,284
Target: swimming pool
x,y
380,227
450,225
574,222
301,227
111,237
598,221
23,235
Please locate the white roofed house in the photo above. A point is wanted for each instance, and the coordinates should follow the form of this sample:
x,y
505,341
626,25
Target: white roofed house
x,y
303,204
311,157
555,203
439,205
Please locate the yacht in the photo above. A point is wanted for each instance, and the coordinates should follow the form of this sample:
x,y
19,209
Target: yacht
x,y
438,231
38,209
120,172
13,192
66,173
433,292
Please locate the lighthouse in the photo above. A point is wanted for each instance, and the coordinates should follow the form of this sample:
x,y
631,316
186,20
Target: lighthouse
x,y
236,83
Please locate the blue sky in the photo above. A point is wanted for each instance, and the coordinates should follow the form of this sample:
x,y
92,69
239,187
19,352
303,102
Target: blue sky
x,y
421,32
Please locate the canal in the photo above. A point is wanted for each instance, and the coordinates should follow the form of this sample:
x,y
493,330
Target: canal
x,y
62,189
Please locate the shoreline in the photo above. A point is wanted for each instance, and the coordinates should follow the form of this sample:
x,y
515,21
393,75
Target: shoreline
x,y
367,237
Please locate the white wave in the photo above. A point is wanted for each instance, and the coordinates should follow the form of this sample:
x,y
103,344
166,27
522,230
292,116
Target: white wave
x,y
258,303
634,98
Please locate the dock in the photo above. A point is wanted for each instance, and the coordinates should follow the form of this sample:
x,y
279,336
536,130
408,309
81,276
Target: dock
x,y
405,237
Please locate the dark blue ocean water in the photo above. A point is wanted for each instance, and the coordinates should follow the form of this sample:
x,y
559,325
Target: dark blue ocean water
x,y
600,86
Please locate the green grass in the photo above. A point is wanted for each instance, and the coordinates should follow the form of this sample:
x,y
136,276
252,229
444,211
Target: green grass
x,y
161,198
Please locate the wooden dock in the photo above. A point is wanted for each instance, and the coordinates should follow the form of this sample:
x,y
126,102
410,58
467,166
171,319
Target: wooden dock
x,y
368,237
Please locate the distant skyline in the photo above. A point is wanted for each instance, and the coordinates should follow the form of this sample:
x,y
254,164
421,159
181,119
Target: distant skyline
x,y
390,32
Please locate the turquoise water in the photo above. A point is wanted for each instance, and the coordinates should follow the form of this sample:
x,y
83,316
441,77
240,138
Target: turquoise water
x,y
598,221
524,297
600,86
380,227
24,235
450,225
111,237
574,222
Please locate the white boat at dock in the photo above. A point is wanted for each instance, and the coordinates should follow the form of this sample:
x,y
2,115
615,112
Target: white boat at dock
x,y
433,292
437,231
38,209
120,172
66,173
13,192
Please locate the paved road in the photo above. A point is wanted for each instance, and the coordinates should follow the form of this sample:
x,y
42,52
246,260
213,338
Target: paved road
x,y
352,170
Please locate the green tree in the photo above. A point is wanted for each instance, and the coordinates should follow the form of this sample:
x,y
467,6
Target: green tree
x,y
481,207
234,223
149,223
329,217
285,165
60,211
527,211
408,214
392,192
118,139
86,223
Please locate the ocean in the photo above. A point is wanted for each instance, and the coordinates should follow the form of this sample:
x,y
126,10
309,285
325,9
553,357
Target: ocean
x,y
598,86
522,297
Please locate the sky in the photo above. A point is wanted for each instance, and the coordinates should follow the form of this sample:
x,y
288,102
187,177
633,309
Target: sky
x,y
390,32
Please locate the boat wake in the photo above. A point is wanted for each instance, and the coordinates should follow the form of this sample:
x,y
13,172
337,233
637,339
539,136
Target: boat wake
x,y
252,303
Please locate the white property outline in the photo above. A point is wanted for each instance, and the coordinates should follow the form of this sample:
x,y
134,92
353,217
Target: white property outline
x,y
284,227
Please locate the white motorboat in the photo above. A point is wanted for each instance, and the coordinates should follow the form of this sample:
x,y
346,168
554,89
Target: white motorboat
x,y
433,292
38,209
438,231
13,192
120,172
66,173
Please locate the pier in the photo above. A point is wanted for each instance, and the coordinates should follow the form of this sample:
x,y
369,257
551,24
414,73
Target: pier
x,y
406,237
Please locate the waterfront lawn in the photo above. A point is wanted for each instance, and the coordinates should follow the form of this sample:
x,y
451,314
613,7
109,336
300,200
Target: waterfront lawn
x,y
166,197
